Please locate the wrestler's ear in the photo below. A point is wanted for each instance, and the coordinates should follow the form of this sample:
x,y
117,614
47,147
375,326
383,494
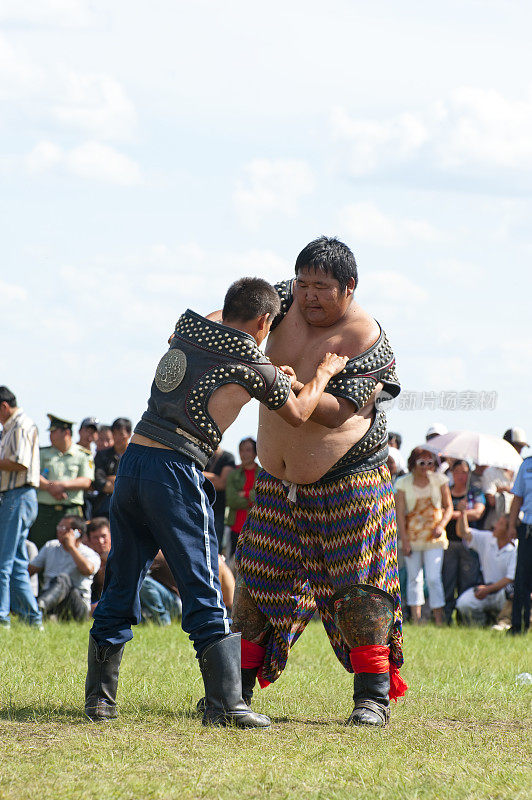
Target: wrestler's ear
x,y
264,322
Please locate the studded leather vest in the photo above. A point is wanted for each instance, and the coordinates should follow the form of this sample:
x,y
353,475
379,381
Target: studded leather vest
x,y
356,383
203,356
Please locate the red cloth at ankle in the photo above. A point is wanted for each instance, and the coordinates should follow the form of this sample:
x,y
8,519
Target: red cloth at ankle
x,y
376,658
252,658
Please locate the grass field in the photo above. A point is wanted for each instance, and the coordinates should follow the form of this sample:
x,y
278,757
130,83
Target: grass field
x,y
463,730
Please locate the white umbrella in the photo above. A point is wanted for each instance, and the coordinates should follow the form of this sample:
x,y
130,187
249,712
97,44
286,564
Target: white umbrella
x,y
482,448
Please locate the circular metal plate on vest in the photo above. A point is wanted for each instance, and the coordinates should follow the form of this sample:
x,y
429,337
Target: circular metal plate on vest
x,y
170,370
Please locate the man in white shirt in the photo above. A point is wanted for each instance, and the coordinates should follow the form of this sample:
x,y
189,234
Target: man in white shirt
x,y
497,554
68,568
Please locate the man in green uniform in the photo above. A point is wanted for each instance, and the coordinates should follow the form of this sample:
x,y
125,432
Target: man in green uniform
x,y
66,470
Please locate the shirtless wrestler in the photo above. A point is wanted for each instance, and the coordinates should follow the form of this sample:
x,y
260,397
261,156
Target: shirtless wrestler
x,y
161,499
323,533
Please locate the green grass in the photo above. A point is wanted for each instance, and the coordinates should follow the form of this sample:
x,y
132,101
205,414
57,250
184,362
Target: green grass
x,y
463,731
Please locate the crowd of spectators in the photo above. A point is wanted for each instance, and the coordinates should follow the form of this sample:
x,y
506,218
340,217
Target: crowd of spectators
x,y
464,530
464,536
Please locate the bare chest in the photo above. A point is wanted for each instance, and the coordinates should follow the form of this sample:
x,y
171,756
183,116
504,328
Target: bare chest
x,y
302,347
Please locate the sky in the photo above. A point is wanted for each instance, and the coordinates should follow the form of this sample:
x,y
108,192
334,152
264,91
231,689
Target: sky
x,y
150,154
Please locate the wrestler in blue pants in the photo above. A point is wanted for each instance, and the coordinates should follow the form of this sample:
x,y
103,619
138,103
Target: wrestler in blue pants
x,y
161,500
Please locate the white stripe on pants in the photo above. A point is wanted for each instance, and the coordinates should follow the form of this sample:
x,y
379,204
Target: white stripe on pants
x,y
432,561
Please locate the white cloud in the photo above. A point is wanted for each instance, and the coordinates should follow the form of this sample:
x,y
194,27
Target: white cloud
x,y
374,143
442,372
390,286
480,126
97,104
463,273
94,103
91,161
366,223
470,128
11,293
57,13
96,161
271,186
19,75
43,157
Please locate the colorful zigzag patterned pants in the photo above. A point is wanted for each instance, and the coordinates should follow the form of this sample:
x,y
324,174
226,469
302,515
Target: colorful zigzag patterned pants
x,y
293,556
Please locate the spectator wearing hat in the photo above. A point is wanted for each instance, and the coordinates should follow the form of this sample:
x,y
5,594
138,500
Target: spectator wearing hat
x,y
438,429
497,482
106,466
517,438
19,479
88,434
66,471
522,530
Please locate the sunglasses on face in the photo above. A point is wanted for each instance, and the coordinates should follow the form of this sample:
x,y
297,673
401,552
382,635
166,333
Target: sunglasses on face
x,y
421,462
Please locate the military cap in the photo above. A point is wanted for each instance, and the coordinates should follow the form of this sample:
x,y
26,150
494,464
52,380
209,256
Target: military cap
x,y
56,423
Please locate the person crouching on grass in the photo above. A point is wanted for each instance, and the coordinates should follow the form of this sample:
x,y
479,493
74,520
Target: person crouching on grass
x,y
162,500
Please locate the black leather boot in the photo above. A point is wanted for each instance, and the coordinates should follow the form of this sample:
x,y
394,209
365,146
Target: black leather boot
x,y
249,676
101,684
371,696
57,591
220,668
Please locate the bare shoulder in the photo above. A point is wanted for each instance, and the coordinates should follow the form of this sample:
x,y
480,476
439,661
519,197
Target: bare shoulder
x,y
361,331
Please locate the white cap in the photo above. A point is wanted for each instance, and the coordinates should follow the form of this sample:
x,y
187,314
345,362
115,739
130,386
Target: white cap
x,y
515,436
436,429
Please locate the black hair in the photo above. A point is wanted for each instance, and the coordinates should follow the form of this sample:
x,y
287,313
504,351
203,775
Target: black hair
x,y
459,462
77,523
96,524
249,439
331,256
249,298
122,424
398,438
7,396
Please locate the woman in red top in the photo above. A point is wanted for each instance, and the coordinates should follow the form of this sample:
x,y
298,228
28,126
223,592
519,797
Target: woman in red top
x,y
240,491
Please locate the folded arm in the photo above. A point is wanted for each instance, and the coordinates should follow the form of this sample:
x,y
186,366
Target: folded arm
x,y
299,408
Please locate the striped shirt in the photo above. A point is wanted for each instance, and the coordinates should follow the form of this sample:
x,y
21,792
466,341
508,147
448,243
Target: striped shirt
x,y
20,443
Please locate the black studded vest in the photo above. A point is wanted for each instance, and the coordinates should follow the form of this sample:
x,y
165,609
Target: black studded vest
x,y
203,356
356,383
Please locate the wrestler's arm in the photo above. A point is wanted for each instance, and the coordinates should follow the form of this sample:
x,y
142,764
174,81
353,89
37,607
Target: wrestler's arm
x,y
332,412
298,408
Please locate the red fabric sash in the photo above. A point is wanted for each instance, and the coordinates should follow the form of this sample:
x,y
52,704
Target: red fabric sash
x,y
376,658
252,657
